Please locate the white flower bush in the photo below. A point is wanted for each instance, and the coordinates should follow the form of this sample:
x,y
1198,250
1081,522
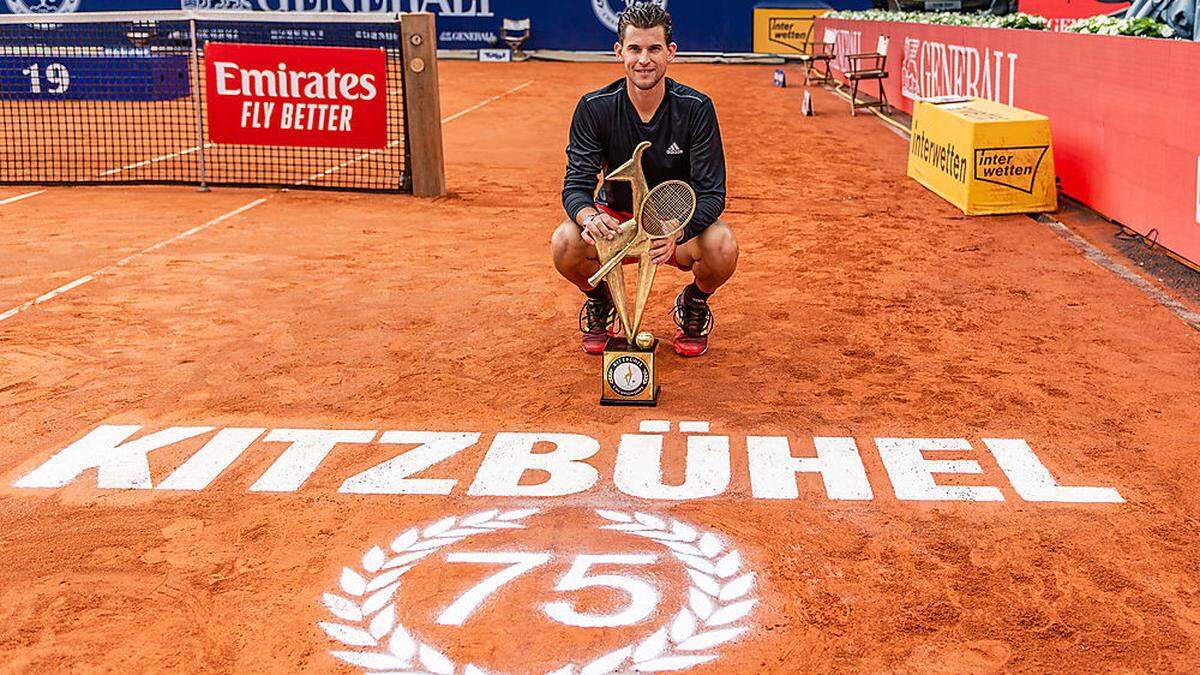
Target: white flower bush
x,y
1109,25
979,19
1099,25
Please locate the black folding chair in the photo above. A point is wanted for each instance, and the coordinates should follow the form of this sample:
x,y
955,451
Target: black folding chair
x,y
869,66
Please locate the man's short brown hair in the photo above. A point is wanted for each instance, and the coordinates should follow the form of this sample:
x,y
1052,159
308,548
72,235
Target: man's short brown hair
x,y
644,15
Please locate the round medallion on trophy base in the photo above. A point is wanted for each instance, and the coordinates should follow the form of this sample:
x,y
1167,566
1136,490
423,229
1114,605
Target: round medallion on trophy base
x,y
628,375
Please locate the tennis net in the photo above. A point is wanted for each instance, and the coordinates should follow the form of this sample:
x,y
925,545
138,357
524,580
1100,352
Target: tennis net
x,y
218,98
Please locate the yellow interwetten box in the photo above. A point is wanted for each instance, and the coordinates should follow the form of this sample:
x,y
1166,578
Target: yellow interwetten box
x,y
782,28
982,156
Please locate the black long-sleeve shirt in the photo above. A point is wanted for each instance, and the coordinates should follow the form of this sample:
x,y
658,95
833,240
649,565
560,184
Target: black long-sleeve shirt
x,y
686,145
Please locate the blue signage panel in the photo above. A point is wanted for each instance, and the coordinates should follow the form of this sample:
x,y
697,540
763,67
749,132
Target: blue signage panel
x,y
105,75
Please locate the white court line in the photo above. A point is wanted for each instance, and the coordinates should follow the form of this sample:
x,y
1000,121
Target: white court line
x,y
479,105
348,162
1097,256
20,197
393,144
127,259
152,160
84,279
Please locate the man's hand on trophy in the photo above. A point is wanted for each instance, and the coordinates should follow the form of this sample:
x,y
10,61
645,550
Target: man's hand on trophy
x,y
600,225
662,250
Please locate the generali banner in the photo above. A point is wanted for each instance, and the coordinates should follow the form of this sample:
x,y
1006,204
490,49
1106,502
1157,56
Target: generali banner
x,y
1129,147
299,96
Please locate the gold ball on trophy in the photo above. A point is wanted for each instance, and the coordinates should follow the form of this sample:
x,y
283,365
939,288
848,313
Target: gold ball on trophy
x,y
644,339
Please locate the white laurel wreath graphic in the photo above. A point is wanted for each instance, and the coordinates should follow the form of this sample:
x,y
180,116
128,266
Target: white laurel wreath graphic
x,y
370,594
717,599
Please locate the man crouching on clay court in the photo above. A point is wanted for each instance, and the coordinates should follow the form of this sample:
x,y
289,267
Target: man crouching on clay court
x,y
681,123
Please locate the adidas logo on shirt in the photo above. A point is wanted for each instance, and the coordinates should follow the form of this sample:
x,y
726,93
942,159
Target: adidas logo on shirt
x,y
674,150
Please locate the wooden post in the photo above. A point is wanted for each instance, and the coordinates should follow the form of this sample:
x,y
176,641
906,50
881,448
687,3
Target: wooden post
x,y
422,105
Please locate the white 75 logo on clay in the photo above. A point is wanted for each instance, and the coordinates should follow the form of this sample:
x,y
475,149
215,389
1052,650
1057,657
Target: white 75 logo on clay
x,y
718,597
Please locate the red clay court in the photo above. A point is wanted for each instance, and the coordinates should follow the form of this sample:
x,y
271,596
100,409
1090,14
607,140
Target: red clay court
x,y
271,350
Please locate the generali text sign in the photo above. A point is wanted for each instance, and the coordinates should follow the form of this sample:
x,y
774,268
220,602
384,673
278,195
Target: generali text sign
x,y
932,69
299,96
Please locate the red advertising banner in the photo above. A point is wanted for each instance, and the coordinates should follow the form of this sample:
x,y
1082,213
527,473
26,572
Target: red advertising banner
x,y
1129,147
332,97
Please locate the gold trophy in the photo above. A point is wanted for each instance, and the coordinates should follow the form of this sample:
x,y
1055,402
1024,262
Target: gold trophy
x,y
628,377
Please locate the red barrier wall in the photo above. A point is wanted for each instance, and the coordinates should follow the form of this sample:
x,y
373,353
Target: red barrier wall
x,y
1124,112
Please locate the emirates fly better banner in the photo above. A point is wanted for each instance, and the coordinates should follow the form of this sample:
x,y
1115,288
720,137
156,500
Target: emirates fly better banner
x,y
302,96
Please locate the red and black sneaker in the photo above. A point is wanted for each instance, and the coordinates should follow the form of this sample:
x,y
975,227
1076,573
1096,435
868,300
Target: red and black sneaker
x,y
695,322
596,322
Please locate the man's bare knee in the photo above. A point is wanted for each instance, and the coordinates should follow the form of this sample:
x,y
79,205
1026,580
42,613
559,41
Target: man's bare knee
x,y
718,242
725,245
565,240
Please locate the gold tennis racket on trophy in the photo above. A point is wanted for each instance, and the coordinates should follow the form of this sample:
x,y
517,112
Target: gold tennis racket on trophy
x,y
666,209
